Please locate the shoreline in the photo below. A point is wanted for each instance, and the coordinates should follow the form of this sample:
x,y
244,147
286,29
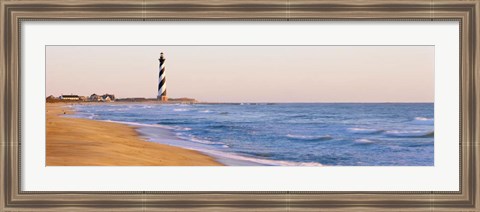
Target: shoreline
x,y
197,128
164,136
82,142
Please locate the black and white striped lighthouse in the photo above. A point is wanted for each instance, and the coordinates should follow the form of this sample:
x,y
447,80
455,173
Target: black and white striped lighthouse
x,y
162,86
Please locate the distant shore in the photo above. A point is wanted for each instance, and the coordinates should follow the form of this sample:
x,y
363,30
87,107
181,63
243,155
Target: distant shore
x,y
83,142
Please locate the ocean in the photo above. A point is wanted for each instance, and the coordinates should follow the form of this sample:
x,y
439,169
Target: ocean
x,y
286,134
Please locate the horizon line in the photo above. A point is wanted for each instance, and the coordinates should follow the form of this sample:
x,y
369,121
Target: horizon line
x,y
313,102
281,102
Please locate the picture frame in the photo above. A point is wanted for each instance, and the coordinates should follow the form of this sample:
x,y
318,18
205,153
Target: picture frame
x,y
13,13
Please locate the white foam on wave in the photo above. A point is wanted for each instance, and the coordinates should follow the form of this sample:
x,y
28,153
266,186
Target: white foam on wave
x,y
363,141
205,111
92,116
118,109
85,115
256,160
178,128
423,121
195,139
180,109
161,127
141,125
364,130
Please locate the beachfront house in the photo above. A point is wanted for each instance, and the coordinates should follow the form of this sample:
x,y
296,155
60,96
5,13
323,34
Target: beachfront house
x,y
102,98
70,97
95,98
108,97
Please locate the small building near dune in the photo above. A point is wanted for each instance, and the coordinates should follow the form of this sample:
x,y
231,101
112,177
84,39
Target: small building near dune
x,y
106,99
83,98
51,97
70,97
110,97
95,98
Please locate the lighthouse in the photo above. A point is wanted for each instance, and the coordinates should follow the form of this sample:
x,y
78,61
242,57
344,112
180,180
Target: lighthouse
x,y
162,87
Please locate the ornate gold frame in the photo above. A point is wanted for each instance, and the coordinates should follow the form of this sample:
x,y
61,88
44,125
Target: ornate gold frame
x,y
13,12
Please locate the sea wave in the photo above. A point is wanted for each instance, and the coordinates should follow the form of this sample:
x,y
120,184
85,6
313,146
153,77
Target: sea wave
x,y
197,140
178,128
171,122
410,134
85,115
418,144
422,121
257,154
364,130
180,109
267,162
363,141
117,109
309,137
141,125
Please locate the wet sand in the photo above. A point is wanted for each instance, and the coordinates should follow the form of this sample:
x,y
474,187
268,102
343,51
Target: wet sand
x,y
83,142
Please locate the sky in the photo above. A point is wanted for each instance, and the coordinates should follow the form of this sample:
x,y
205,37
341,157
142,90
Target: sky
x,y
246,73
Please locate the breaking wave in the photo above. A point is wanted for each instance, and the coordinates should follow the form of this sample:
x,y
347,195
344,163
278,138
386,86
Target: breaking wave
x,y
410,134
363,141
180,109
423,121
365,131
196,140
309,137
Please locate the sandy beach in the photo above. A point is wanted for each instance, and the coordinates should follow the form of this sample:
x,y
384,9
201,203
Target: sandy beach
x,y
83,142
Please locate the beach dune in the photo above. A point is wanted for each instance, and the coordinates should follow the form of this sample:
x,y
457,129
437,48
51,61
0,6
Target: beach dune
x,y
83,142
